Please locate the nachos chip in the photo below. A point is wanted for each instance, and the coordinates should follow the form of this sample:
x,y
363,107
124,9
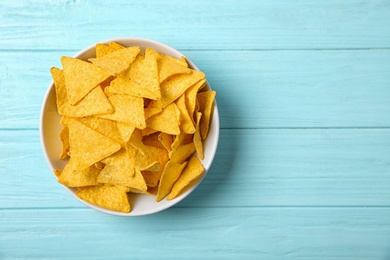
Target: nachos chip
x,y
133,121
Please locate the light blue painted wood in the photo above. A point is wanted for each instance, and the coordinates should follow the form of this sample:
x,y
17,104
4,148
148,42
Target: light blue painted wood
x,y
221,24
302,170
255,89
194,233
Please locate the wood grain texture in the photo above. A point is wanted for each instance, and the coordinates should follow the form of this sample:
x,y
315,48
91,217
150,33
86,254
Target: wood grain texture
x,y
245,233
252,168
305,24
255,89
302,170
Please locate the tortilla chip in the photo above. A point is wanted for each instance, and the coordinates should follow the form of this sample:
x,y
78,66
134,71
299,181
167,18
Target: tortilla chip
x,y
186,123
88,146
59,84
122,161
140,80
191,98
198,138
105,127
81,77
167,121
94,103
111,197
118,61
72,177
176,85
64,136
166,140
125,130
171,173
127,109
153,140
151,179
182,152
168,67
206,102
193,171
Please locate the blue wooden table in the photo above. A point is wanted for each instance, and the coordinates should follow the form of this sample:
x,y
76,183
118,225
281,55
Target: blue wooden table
x,y
302,169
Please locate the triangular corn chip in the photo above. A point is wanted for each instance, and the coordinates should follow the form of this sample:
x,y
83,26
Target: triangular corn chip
x,y
206,102
176,85
169,176
141,79
111,197
127,109
168,121
117,61
64,136
186,124
191,98
88,146
102,49
81,77
125,130
105,127
94,103
59,84
71,177
198,138
168,67
182,152
193,171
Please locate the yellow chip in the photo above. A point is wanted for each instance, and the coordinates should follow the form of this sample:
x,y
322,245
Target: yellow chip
x,y
94,103
127,109
102,49
111,197
166,140
182,152
72,177
88,146
186,123
140,80
112,175
168,121
59,84
192,172
137,143
153,140
206,102
169,176
117,61
81,77
151,179
176,85
105,127
168,67
114,46
191,98
181,139
125,130
64,136
198,138
122,162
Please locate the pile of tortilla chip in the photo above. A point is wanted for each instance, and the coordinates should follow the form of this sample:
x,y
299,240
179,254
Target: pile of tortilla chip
x,y
133,122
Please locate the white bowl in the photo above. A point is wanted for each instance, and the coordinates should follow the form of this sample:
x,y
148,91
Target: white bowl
x,y
50,128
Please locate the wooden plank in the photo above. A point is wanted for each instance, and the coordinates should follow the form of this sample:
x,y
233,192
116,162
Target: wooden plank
x,y
198,24
245,233
255,89
268,167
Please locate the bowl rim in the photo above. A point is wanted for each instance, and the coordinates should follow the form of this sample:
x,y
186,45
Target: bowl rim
x,y
214,122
